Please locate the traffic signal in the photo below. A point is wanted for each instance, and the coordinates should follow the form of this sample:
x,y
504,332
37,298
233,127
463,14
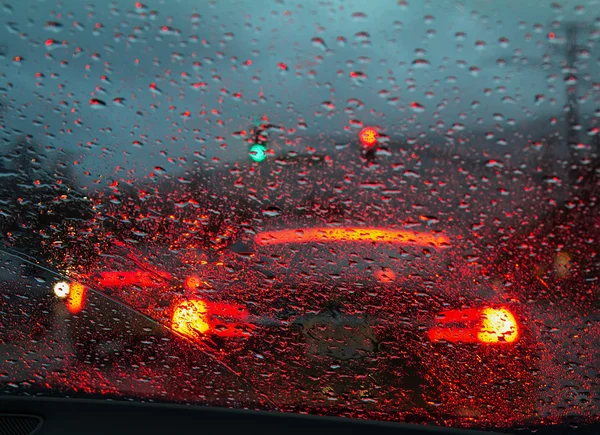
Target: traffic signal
x,y
258,152
368,137
259,141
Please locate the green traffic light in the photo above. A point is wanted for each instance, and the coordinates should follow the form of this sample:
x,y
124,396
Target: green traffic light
x,y
258,152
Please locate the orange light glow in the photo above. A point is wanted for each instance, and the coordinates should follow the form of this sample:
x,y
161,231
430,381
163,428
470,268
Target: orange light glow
x,y
196,318
190,318
76,298
563,264
368,136
192,282
385,276
487,325
351,235
498,325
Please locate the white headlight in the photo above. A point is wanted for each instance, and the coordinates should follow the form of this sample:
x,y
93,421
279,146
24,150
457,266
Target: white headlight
x,y
61,289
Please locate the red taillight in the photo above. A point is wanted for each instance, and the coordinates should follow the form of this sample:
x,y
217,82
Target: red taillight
x,y
498,325
487,325
190,318
197,318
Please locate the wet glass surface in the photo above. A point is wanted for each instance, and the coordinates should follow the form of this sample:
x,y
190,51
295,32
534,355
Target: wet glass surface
x,y
381,212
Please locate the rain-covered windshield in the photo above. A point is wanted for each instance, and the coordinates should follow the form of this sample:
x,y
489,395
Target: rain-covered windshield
x,y
372,209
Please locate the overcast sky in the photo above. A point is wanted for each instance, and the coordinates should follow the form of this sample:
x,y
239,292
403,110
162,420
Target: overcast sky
x,y
442,55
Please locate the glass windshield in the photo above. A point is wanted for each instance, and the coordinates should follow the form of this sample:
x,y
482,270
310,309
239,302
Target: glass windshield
x,y
379,210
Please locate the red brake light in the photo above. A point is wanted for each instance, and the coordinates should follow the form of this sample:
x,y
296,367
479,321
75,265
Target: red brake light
x,y
196,318
497,325
352,234
190,318
487,325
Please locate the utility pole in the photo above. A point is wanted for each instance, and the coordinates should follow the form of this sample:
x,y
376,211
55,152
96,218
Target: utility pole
x,y
571,82
583,178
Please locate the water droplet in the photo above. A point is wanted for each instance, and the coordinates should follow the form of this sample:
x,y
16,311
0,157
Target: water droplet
x,y
97,104
358,77
421,63
328,105
154,89
271,211
429,220
53,26
417,107
319,43
359,16
480,45
540,98
494,164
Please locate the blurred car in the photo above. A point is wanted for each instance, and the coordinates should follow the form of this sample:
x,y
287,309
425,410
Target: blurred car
x,y
358,315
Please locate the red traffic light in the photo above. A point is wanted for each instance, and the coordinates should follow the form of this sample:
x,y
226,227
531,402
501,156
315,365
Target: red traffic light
x,y
368,136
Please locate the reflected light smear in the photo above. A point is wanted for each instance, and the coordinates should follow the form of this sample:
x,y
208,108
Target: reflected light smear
x,y
351,234
76,298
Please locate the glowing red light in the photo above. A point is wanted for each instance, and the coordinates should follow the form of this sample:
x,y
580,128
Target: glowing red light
x,y
487,325
498,326
368,136
124,279
196,318
551,35
191,319
351,234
